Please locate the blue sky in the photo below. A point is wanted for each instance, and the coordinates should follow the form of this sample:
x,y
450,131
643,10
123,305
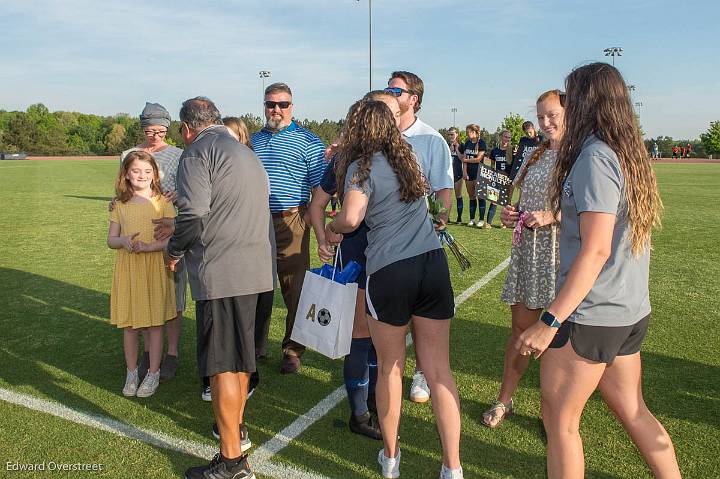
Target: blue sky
x,y
486,58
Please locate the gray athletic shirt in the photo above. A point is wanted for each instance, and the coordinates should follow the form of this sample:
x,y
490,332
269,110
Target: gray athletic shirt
x,y
620,294
398,230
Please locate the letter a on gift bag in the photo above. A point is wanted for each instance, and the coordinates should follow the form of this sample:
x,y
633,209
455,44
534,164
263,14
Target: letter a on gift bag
x,y
325,314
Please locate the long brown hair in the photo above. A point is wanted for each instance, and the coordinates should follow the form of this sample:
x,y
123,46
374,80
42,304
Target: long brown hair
x,y
123,188
370,128
537,154
598,103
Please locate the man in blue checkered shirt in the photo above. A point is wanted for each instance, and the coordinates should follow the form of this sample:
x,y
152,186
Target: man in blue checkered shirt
x,y
293,159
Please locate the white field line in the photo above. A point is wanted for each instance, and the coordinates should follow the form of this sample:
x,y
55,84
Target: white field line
x,y
154,438
297,427
260,458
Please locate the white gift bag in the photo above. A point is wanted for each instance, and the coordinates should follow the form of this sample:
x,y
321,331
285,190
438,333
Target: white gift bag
x,y
325,314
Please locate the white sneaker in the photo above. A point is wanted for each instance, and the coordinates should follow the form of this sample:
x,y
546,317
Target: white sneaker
x,y
389,466
446,473
480,224
206,395
471,223
131,383
149,385
419,390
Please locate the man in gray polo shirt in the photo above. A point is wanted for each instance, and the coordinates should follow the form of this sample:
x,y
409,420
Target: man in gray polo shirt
x,y
222,226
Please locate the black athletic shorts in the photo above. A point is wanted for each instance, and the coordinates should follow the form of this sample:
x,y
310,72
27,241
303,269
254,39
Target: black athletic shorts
x,y
457,169
602,343
472,171
418,286
226,334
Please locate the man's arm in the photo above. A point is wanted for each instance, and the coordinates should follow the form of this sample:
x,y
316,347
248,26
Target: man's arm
x,y
193,205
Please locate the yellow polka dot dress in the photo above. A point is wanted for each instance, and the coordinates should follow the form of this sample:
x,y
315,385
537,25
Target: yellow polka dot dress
x,y
143,291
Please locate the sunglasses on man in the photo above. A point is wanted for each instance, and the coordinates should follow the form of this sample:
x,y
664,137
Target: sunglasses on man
x,y
284,105
397,91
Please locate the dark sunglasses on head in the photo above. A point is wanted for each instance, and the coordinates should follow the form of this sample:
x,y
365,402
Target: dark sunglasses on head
x,y
397,91
270,105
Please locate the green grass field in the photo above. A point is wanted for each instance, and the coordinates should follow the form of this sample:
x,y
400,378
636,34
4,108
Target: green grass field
x,y
57,344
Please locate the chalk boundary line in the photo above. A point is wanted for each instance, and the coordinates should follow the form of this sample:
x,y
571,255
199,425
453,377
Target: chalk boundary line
x,y
260,458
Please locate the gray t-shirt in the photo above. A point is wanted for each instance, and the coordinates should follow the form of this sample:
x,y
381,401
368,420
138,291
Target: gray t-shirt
x,y
620,295
398,230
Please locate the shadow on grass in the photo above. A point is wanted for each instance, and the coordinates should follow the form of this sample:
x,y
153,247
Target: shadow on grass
x,y
96,198
672,387
51,328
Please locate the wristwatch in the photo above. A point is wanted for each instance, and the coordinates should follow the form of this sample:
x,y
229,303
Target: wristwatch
x,y
550,319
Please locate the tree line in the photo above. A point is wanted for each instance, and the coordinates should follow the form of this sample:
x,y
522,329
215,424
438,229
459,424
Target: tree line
x,y
37,131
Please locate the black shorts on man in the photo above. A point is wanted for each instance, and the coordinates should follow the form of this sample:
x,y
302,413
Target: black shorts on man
x,y
226,335
416,286
602,344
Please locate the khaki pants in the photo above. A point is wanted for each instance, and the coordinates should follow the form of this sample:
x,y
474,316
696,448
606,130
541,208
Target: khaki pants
x,y
292,236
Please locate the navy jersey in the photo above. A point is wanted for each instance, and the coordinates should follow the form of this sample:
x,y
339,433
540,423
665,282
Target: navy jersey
x,y
472,150
456,152
498,155
329,185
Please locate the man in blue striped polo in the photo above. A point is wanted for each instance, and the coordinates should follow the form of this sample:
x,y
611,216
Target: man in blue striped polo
x,y
293,159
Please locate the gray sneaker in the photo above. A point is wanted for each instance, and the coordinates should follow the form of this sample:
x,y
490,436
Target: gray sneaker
x,y
131,383
168,367
217,469
149,385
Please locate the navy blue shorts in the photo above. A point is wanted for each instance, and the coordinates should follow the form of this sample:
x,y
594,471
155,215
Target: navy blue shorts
x,y
472,171
457,170
353,249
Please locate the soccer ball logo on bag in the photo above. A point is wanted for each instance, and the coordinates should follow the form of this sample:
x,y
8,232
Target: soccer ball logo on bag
x,y
324,317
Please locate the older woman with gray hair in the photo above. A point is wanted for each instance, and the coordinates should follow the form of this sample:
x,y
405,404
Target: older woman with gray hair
x,y
154,122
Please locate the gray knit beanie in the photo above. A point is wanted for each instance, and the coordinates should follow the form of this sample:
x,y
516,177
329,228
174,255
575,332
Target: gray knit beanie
x,y
154,114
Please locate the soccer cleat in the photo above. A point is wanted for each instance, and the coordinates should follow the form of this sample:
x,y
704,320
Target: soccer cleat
x,y
206,394
471,223
218,469
149,385
419,390
366,425
131,383
389,466
245,442
480,224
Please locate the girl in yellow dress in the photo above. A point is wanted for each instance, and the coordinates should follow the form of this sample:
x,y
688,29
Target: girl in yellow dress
x,y
143,292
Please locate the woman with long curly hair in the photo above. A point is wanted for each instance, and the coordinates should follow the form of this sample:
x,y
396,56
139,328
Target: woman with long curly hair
x,y
407,273
530,281
592,331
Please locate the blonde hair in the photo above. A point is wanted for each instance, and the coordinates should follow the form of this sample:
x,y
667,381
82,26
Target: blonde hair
x,y
598,103
537,154
123,187
240,128
473,127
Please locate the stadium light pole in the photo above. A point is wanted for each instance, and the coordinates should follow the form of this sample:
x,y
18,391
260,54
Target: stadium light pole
x,y
369,44
453,110
613,52
263,75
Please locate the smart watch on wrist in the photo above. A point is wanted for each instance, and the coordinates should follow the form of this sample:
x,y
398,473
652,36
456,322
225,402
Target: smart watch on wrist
x,y
550,319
